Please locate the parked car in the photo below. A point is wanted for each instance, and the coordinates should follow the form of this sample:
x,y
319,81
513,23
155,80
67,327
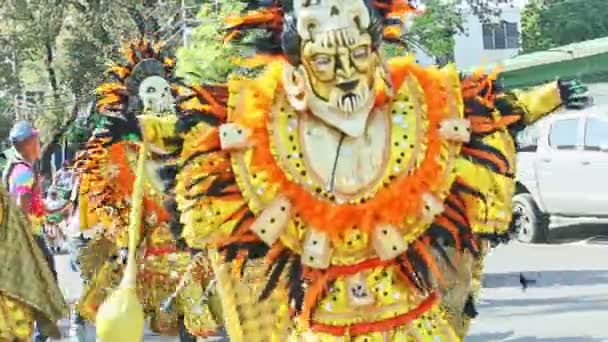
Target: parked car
x,y
562,171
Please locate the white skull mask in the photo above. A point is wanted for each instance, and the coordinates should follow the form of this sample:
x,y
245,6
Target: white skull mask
x,y
331,19
155,94
339,66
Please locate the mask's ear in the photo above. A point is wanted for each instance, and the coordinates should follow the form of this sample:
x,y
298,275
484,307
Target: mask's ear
x,y
382,74
294,82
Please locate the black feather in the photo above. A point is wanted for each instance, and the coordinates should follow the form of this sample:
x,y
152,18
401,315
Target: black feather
x,y
167,174
296,290
449,202
232,250
190,119
275,275
119,128
196,155
469,307
437,231
176,228
420,268
181,244
480,145
443,254
409,275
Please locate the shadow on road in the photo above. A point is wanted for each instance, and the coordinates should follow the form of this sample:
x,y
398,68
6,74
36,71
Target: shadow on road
x,y
546,278
505,337
556,339
552,305
576,232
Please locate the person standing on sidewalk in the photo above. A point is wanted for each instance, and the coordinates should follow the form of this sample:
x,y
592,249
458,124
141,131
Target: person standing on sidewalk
x,y
24,185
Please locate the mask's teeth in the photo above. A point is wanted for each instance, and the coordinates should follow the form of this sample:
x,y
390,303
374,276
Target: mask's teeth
x,y
324,40
351,36
333,38
344,37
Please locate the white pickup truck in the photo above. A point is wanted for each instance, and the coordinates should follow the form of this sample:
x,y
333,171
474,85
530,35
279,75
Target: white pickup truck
x,y
562,171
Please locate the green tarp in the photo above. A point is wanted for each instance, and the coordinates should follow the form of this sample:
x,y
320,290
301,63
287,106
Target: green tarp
x,y
587,60
588,69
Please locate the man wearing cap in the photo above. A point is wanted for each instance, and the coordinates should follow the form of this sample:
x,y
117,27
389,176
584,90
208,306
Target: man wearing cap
x,y
23,185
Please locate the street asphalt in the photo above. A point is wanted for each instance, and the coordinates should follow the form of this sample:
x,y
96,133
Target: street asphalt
x,y
567,300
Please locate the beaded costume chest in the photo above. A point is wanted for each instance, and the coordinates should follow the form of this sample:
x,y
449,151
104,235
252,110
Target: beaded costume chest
x,y
359,238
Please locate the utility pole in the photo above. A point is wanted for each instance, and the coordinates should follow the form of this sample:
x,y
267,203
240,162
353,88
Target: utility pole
x,y
176,20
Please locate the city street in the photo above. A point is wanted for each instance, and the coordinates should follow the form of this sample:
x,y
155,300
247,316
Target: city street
x,y
567,303
567,299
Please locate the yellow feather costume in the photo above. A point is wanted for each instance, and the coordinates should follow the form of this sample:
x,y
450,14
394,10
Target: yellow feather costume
x,y
107,170
305,252
226,194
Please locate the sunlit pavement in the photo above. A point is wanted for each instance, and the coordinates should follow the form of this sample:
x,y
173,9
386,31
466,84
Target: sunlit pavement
x,y
568,301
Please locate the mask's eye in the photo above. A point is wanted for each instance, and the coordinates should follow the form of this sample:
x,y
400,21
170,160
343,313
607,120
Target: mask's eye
x,y
322,60
151,90
360,52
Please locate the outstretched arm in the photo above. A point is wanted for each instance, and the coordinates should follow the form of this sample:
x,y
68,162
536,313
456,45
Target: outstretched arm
x,y
535,103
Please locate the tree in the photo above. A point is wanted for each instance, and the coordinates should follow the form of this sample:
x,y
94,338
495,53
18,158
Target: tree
x,y
62,47
209,59
551,23
433,32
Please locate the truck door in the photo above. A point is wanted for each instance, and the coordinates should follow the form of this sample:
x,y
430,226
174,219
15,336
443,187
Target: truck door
x,y
557,166
592,178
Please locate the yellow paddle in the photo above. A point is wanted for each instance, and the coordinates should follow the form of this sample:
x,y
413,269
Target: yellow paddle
x,y
121,317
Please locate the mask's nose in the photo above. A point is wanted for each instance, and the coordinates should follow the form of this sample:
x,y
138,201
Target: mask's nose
x,y
348,86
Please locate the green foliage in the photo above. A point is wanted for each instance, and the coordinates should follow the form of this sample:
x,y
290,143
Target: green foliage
x,y
552,23
6,122
63,47
433,32
208,58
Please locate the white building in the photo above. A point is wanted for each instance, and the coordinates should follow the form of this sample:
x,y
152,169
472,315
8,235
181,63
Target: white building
x,y
484,44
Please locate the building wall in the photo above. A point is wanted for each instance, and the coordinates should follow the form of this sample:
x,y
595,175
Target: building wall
x,y
469,50
424,58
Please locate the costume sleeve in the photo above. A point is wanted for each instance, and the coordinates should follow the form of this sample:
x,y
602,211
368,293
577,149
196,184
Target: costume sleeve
x,y
486,168
537,102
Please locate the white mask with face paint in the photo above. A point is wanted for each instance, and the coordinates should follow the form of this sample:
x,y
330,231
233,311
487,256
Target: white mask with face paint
x,y
155,94
339,65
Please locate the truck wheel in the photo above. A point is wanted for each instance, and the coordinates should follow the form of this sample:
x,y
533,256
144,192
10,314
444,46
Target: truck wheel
x,y
529,223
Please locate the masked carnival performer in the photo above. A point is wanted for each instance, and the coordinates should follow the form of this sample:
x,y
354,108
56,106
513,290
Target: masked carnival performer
x,y
342,189
139,102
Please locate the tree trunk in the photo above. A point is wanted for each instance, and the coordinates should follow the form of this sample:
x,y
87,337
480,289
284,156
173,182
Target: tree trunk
x,y
50,57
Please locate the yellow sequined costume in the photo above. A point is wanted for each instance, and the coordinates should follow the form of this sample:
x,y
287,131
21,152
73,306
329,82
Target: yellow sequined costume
x,y
228,192
358,252
107,172
28,291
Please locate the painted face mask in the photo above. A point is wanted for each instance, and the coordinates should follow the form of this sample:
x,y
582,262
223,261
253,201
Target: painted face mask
x,y
339,64
155,94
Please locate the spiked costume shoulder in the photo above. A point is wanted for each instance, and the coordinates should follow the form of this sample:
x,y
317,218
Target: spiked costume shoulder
x,y
139,102
338,188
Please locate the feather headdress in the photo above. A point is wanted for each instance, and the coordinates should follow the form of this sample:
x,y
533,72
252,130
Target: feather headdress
x,y
276,19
